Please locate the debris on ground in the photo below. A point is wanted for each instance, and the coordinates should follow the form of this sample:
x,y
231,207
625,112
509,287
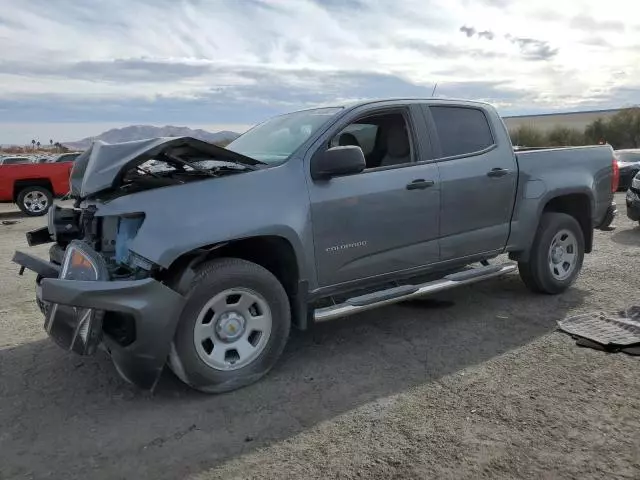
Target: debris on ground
x,y
9,222
618,332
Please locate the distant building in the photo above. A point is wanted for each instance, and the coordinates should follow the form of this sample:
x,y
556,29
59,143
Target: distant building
x,y
546,121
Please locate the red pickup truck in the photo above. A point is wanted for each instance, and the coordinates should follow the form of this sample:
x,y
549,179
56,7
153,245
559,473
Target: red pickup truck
x,y
32,186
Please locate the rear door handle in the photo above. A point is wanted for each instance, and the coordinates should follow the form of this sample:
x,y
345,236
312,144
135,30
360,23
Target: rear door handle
x,y
497,172
420,184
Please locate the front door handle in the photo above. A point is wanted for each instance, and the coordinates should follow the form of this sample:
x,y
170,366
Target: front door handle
x,y
497,172
420,184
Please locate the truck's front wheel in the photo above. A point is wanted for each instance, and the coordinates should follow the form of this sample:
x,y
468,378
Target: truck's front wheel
x,y
233,328
556,255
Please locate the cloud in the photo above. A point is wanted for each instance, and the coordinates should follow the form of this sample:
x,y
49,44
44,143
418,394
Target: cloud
x,y
472,32
596,40
533,49
273,94
498,3
265,94
448,51
468,31
488,34
585,22
134,61
117,70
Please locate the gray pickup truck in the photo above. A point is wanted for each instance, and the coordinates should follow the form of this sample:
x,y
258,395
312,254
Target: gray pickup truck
x,y
204,265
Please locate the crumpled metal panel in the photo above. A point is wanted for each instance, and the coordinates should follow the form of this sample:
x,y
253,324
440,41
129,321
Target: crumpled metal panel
x,y
613,332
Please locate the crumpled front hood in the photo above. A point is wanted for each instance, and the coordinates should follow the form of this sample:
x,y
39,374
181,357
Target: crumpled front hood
x,y
103,165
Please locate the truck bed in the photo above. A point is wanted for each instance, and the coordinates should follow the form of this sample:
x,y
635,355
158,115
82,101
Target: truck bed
x,y
587,170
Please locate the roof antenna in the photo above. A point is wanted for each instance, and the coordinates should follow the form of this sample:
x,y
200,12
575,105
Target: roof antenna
x,y
434,89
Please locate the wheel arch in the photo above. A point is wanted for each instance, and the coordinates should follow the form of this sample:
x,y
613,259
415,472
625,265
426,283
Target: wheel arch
x,y
274,253
579,206
21,184
578,203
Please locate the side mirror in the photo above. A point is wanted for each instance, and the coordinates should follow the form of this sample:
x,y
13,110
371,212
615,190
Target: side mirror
x,y
336,161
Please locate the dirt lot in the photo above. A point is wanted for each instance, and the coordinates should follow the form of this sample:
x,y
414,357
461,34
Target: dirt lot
x,y
474,385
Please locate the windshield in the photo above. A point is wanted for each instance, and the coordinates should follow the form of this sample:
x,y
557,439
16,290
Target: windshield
x,y
276,139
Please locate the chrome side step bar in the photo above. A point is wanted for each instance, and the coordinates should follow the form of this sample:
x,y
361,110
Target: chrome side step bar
x,y
406,292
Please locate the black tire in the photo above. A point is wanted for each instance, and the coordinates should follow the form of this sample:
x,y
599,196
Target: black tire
x,y
22,197
212,278
536,273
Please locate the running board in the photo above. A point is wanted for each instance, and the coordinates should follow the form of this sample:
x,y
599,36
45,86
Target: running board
x,y
407,292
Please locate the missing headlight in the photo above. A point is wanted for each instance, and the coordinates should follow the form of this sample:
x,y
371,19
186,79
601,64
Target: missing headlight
x,y
128,227
63,224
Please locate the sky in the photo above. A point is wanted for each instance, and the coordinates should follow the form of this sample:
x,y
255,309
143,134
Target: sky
x,y
73,68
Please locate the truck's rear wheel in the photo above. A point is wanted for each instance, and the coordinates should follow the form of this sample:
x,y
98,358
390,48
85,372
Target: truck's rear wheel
x,y
34,201
556,255
233,328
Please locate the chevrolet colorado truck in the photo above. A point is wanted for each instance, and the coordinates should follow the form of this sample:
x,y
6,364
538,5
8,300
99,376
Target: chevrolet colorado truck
x,y
205,265
32,186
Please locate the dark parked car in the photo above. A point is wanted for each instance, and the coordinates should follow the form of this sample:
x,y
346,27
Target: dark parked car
x,y
633,199
629,163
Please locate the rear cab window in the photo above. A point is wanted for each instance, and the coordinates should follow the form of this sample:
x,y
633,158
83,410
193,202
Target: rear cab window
x,y
14,161
461,130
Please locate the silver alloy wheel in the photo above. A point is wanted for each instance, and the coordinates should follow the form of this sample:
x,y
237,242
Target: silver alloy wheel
x,y
232,329
35,202
563,254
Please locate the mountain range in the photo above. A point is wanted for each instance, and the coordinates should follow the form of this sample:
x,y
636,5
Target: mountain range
x,y
140,132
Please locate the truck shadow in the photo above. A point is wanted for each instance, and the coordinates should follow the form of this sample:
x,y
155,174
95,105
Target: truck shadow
x,y
61,412
14,215
629,236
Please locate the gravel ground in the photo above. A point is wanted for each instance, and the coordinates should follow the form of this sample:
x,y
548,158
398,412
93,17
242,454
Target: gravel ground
x,y
474,385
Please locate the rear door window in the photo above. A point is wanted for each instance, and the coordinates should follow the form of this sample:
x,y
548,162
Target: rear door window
x,y
15,161
461,130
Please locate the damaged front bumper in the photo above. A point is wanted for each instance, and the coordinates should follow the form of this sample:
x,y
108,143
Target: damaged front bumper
x,y
81,314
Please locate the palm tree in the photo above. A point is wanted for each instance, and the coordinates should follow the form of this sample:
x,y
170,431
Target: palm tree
x,y
33,142
38,144
51,142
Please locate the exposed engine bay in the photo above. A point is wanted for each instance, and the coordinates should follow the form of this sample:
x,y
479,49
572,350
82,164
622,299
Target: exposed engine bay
x,y
175,168
105,172
108,236
113,169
